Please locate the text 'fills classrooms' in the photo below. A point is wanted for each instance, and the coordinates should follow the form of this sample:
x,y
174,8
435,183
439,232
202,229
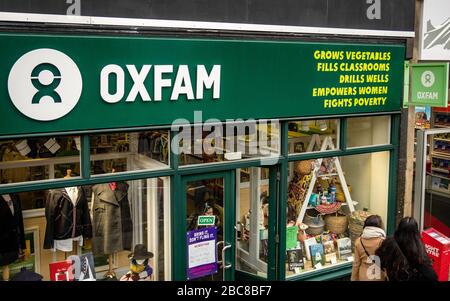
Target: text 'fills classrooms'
x,y
361,78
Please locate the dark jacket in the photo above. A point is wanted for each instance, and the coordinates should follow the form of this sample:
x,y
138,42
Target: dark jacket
x,y
398,268
12,236
112,225
423,272
63,220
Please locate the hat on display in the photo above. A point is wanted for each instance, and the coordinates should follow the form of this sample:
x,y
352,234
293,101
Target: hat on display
x,y
26,275
140,252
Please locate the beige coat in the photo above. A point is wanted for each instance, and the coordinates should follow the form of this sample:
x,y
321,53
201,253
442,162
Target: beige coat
x,y
360,265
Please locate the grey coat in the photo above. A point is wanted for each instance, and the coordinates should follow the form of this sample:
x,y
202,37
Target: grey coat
x,y
111,219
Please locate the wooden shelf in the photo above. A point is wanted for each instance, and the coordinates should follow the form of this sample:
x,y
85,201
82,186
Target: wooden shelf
x,y
440,190
440,155
442,126
441,139
438,176
440,169
327,175
343,204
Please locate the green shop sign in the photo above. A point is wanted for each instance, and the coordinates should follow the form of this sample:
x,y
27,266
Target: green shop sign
x,y
429,85
206,220
75,83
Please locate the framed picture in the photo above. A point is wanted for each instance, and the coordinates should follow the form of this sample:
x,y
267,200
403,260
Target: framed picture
x,y
32,256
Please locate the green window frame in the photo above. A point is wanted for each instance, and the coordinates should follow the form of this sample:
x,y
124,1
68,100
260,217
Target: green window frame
x,y
276,269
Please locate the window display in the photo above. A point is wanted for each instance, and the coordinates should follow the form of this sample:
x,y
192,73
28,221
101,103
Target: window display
x,y
328,201
212,143
112,231
306,136
140,270
68,219
12,236
113,225
129,151
42,158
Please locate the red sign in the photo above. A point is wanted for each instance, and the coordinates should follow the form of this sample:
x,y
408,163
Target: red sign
x,y
437,246
61,271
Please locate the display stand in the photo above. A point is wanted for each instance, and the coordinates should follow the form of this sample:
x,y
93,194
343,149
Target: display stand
x,y
110,273
326,145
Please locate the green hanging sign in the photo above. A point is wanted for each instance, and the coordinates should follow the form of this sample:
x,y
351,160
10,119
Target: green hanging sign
x,y
206,220
429,84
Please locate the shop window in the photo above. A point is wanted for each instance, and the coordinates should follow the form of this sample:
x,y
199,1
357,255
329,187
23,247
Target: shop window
x,y
308,135
252,216
217,143
368,131
120,152
328,200
244,175
35,159
117,224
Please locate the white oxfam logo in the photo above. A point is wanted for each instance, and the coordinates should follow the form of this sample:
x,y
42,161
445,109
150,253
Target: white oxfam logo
x,y
427,78
45,84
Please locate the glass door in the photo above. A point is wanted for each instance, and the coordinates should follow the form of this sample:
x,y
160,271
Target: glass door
x,y
252,220
209,226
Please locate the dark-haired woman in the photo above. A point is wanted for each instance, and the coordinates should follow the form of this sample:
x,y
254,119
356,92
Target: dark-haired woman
x,y
365,266
404,257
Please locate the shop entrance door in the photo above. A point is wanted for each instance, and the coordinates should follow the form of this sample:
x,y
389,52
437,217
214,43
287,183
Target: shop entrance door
x,y
209,228
432,183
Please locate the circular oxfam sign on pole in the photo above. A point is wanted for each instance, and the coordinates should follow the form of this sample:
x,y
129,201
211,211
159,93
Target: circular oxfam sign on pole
x,y
427,78
45,84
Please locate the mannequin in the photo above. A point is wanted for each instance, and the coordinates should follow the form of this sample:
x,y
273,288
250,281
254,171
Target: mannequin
x,y
68,174
113,227
12,241
83,240
68,218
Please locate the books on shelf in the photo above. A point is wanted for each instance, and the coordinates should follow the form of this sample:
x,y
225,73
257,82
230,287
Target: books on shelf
x,y
295,259
317,255
344,248
309,242
329,251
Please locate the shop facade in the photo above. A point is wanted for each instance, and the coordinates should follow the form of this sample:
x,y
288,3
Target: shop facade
x,y
267,134
431,200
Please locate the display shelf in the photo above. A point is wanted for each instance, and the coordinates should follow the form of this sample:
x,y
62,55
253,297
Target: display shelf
x,y
327,175
440,191
327,144
441,139
440,155
440,169
342,204
438,176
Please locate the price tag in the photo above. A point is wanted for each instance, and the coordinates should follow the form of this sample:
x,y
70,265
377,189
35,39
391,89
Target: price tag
x,y
318,266
297,270
333,260
350,258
